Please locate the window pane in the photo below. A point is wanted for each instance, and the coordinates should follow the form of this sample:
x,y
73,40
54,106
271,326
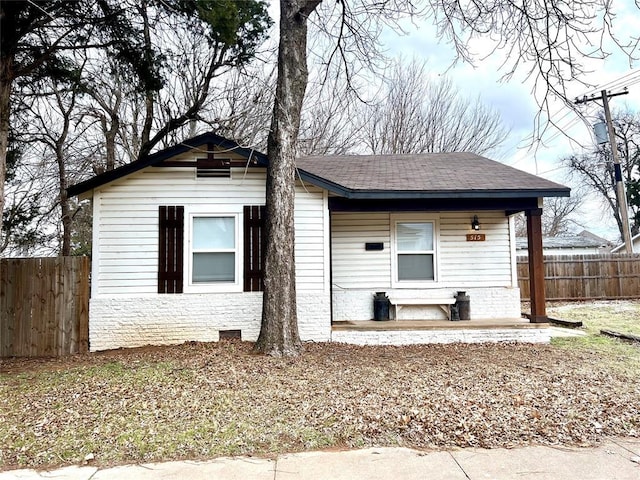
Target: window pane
x,y
414,237
213,232
415,267
214,267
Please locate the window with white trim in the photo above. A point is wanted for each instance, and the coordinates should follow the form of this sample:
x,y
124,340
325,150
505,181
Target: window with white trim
x,y
214,252
414,251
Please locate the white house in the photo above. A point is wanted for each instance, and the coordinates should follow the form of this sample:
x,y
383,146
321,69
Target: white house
x,y
177,243
635,242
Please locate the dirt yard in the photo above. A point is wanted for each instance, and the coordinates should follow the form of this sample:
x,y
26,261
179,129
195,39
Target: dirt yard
x,y
206,400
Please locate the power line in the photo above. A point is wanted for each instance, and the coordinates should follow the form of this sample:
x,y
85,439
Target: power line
x,y
616,82
628,79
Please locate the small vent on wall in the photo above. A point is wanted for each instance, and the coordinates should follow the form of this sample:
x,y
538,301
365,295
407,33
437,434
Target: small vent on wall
x,y
218,168
230,334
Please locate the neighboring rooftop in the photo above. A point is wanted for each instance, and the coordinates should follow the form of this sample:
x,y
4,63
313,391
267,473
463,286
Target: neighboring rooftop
x,y
583,240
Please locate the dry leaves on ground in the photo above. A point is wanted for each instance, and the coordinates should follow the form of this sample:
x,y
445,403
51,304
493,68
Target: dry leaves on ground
x,y
203,400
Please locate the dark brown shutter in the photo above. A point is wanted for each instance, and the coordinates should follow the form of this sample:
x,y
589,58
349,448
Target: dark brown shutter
x,y
170,251
253,247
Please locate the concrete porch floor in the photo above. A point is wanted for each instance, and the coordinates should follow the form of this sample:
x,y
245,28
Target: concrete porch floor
x,y
364,325
411,332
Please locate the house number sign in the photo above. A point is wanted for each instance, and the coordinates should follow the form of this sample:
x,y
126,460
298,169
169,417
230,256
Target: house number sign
x,y
475,237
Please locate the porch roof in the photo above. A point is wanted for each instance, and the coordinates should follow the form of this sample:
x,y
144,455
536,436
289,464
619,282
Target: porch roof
x,y
427,175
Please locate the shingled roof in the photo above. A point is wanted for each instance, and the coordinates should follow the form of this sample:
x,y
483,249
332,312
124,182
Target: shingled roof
x,y
429,175
420,176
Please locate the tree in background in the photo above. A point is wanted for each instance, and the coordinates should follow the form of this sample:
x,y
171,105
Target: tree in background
x,y
117,57
38,41
199,41
25,205
595,171
414,114
630,132
330,123
243,106
207,39
419,114
560,216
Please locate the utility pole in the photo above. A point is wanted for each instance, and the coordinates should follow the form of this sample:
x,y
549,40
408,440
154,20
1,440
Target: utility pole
x,y
617,169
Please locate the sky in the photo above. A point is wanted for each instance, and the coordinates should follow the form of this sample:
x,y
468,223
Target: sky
x,y
515,102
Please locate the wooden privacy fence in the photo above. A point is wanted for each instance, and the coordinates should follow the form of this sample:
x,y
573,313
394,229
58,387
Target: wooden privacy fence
x,y
44,306
586,277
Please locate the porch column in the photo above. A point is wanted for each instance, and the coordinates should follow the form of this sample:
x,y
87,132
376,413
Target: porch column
x,y
536,266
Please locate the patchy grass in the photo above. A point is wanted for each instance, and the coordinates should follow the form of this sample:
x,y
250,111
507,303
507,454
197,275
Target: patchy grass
x,y
206,400
620,316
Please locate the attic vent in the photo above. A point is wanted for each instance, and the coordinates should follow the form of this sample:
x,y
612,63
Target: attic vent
x,y
220,167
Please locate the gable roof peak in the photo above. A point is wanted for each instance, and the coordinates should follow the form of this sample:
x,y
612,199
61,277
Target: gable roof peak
x,y
210,139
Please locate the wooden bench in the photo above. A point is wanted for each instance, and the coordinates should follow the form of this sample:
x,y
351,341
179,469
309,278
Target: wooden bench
x,y
443,302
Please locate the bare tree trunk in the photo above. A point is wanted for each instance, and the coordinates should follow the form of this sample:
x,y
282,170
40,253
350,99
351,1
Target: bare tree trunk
x,y
7,75
58,145
63,183
65,247
6,80
149,95
5,112
110,134
279,329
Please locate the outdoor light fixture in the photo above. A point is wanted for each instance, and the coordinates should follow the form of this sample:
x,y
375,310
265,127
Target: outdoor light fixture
x,y
475,224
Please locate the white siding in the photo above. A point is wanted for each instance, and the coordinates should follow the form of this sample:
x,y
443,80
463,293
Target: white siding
x,y
484,268
126,217
311,245
353,266
461,263
475,264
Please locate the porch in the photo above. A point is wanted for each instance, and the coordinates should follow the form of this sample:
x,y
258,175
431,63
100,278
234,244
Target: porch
x,y
411,332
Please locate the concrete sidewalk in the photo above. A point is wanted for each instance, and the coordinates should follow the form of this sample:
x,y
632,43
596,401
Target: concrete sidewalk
x,y
616,459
